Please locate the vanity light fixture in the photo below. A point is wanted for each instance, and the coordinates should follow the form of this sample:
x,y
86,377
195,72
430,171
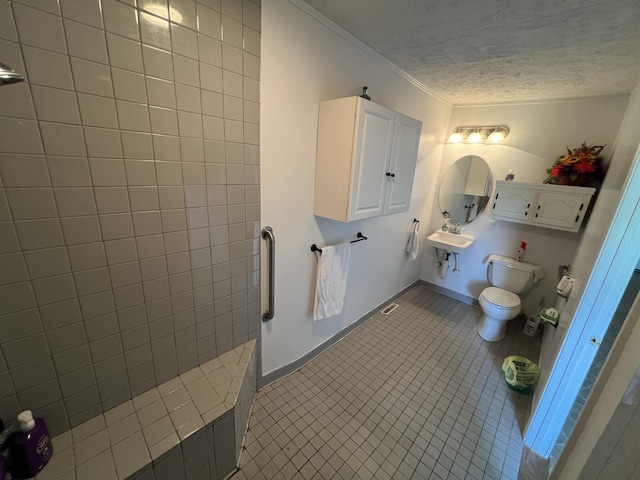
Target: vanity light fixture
x,y
491,134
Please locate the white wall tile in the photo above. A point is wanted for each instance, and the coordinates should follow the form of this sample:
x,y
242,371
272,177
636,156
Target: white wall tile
x,y
19,136
233,131
47,68
50,6
184,41
125,274
152,268
23,170
233,108
212,103
251,15
120,19
251,89
232,84
190,124
252,133
86,42
116,225
112,200
87,255
251,41
168,173
173,220
92,281
133,116
186,70
7,26
251,112
147,223
83,11
157,63
231,31
232,8
150,246
47,262
73,202
209,22
235,153
157,7
161,92
191,149
137,145
31,203
166,147
40,29
216,173
155,31
121,251
232,58
211,78
197,217
128,296
171,197
178,263
107,172
163,120
62,139
16,101
251,66
16,297
81,229
54,289
13,268
140,172
97,111
69,171
176,242
102,142
188,98
125,53
209,50
213,128
183,12
91,77
156,289
55,105
129,85
8,238
193,173
39,233
143,198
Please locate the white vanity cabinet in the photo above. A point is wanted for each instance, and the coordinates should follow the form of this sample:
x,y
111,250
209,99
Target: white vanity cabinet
x,y
366,160
559,207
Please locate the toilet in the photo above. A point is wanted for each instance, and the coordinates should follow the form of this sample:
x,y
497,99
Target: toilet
x,y
500,302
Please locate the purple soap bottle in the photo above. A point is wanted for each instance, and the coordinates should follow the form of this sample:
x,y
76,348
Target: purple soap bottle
x,y
31,446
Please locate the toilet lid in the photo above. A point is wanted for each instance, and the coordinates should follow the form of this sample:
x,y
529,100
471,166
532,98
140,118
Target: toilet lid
x,y
500,297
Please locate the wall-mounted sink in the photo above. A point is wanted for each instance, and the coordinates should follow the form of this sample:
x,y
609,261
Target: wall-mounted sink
x,y
451,242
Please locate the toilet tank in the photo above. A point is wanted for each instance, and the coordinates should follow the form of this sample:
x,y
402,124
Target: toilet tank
x,y
516,277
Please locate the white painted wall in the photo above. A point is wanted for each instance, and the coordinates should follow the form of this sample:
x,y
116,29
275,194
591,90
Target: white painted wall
x,y
303,62
538,134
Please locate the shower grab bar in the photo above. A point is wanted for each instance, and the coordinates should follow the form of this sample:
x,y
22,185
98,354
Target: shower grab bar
x,y
360,237
267,234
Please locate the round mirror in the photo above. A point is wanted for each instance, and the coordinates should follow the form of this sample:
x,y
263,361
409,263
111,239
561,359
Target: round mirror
x,y
465,189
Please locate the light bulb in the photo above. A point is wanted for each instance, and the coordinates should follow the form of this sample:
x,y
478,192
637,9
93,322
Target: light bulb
x,y
496,137
456,137
474,137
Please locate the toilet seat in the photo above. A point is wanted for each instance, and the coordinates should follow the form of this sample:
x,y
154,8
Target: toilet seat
x,y
501,298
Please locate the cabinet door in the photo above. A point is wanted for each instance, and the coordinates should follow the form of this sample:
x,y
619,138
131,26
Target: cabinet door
x,y
402,166
563,211
513,203
372,149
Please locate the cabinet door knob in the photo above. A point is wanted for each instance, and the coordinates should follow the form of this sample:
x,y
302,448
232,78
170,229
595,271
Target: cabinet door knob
x,y
389,174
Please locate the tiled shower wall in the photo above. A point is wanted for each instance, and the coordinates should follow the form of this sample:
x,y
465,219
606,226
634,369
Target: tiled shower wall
x,y
129,203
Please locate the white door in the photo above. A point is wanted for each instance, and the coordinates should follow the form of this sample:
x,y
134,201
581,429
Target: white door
x,y
372,149
560,210
402,166
514,203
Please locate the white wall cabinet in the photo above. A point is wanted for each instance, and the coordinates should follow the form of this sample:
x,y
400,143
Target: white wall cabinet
x,y
559,207
366,160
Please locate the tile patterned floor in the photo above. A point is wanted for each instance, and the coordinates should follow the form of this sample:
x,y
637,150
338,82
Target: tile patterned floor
x,y
416,394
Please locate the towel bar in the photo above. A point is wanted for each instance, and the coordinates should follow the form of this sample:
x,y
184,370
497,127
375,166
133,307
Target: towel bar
x,y
360,237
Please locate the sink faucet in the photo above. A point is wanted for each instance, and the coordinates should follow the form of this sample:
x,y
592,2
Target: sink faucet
x,y
455,229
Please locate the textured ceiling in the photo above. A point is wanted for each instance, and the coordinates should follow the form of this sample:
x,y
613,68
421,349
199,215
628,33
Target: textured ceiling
x,y
488,51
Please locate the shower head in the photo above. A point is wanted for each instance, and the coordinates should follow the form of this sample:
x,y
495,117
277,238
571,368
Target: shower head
x,y
7,75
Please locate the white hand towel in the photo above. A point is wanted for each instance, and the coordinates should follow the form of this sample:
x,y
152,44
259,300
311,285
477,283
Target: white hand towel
x,y
412,244
331,282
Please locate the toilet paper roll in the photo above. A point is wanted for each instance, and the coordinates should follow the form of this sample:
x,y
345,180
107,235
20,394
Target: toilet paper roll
x,y
565,286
